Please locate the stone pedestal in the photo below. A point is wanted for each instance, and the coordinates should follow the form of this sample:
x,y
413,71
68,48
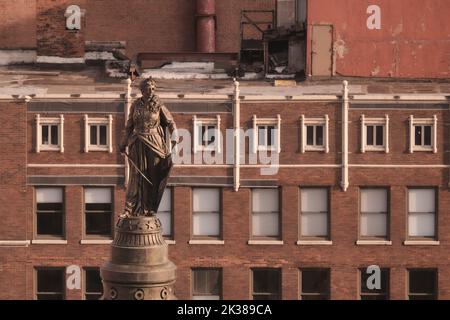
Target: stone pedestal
x,y
139,268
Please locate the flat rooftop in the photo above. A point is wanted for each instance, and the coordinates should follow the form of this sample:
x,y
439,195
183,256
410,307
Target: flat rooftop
x,y
29,80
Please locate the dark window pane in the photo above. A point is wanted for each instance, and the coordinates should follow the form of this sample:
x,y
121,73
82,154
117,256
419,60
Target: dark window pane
x,y
98,207
54,135
93,296
427,138
50,223
315,281
370,135
422,281
373,297
270,135
310,135
103,135
266,297
206,282
93,135
266,281
384,281
319,135
262,135
49,206
45,135
379,135
314,297
93,281
50,297
50,281
98,224
211,134
418,135
427,297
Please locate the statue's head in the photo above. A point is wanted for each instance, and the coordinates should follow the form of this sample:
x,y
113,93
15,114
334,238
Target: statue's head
x,y
148,87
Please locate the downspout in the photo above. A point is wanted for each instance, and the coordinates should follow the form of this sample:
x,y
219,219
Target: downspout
x,y
237,146
206,26
127,113
345,105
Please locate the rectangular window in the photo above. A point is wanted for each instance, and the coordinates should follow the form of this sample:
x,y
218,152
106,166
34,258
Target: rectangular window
x,y
369,289
98,135
314,135
266,136
206,212
50,283
93,288
49,212
265,216
422,212
98,211
314,212
207,284
50,135
165,213
207,135
422,284
266,284
375,135
422,135
315,284
374,213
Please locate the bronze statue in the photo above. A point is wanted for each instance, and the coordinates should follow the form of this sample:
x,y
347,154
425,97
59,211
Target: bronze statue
x,y
149,152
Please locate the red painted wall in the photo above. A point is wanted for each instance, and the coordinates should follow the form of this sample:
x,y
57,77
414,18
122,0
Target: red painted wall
x,y
413,42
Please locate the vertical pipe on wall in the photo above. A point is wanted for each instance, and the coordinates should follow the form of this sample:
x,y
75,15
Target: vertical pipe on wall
x,y
237,145
345,105
206,26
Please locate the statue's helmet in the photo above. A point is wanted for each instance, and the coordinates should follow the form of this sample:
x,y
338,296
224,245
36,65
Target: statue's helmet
x,y
148,86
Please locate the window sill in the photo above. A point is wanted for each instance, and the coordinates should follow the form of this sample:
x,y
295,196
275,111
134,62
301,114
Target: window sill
x,y
96,241
314,243
48,241
373,243
315,149
266,242
215,242
421,243
14,243
374,149
93,149
45,149
419,149
170,241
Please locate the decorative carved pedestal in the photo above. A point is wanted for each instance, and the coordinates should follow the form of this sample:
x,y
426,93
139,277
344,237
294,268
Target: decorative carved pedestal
x,y
140,268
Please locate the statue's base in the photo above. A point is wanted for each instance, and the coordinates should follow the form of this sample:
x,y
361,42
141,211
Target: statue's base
x,y
140,268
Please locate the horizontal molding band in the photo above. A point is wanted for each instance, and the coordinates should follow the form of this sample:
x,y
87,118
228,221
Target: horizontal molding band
x,y
49,241
396,105
75,180
74,165
14,243
68,106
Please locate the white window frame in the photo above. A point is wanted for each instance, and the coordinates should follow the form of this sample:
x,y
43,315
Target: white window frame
x,y
278,213
379,213
199,122
304,123
87,133
413,122
303,213
366,122
434,213
276,122
40,121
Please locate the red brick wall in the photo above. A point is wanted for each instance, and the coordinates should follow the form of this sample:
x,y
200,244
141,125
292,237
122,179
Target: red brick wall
x,y
53,39
13,157
17,24
412,41
236,257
